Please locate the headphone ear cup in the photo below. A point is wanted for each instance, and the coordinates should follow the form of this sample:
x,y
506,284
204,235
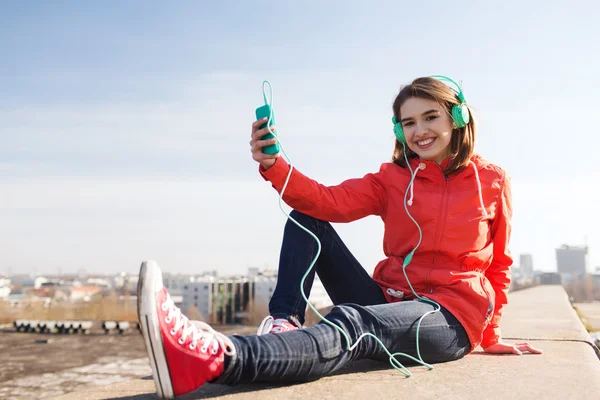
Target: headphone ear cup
x,y
398,131
460,115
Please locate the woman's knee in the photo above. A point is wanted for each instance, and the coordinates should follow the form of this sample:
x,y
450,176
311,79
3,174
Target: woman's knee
x,y
347,315
305,220
453,345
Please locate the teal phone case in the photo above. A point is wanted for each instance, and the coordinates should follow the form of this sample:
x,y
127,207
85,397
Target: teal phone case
x,y
261,112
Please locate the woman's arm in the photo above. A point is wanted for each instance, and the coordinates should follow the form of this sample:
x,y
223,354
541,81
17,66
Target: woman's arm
x,y
351,200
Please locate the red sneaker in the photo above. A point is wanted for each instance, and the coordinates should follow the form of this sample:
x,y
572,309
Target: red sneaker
x,y
270,325
183,355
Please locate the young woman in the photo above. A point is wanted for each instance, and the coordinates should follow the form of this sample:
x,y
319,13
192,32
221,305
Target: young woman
x,y
447,218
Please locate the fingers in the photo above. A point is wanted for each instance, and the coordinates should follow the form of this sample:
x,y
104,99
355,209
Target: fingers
x,y
258,133
521,347
257,145
518,348
258,123
257,153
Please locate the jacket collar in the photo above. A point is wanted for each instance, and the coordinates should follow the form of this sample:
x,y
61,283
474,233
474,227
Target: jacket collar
x,y
433,171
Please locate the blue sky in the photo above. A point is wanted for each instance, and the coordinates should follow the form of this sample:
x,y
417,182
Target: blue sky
x,y
124,126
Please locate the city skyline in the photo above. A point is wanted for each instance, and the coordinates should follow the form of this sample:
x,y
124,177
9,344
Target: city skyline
x,y
525,266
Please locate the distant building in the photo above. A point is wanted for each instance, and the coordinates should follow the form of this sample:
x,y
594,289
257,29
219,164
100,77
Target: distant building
x,y
39,282
196,293
4,288
526,265
571,262
264,286
516,271
125,283
83,293
549,278
596,284
22,281
118,281
217,300
27,300
175,283
102,282
231,300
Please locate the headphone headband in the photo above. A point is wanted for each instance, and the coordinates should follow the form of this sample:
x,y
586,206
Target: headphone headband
x,y
458,89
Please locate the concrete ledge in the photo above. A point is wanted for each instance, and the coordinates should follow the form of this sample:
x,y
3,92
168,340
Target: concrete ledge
x,y
543,312
568,369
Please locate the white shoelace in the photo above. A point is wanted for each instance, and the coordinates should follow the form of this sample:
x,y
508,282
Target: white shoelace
x,y
270,325
197,329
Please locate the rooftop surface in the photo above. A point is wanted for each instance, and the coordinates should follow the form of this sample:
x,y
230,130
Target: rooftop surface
x,y
568,369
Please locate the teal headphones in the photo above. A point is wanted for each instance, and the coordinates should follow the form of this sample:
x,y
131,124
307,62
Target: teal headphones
x,y
460,112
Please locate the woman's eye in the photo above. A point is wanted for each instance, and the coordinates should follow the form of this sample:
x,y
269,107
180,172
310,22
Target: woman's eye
x,y
408,124
431,117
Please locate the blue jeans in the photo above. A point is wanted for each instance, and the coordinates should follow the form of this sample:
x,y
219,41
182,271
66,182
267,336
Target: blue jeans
x,y
361,307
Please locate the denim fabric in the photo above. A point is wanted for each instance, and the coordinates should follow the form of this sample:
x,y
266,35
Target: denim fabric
x,y
344,279
319,350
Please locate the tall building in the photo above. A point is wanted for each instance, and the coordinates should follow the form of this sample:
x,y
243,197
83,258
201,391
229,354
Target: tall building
x,y
197,293
526,265
231,300
264,286
571,262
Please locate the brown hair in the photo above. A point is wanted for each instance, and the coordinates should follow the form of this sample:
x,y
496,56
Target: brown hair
x,y
462,141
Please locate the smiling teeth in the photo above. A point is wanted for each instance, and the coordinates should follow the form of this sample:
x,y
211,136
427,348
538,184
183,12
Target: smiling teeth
x,y
425,142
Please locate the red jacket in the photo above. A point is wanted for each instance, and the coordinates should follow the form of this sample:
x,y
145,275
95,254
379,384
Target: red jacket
x,y
463,261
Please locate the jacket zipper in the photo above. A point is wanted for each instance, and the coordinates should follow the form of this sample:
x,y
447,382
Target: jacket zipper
x,y
438,233
427,284
441,220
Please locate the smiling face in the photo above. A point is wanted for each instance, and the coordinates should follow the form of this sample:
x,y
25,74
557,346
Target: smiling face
x,y
427,128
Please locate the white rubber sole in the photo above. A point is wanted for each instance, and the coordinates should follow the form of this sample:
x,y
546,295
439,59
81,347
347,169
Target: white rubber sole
x,y
150,281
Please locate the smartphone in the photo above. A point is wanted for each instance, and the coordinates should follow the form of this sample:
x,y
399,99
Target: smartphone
x,y
262,112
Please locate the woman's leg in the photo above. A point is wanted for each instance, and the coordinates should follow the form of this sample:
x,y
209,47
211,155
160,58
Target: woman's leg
x,y
344,279
321,349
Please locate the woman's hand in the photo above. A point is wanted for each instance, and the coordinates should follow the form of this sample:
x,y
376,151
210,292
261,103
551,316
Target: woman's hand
x,y
505,348
256,145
